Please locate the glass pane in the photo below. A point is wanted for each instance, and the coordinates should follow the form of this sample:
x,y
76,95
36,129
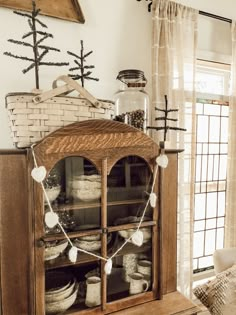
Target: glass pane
x,y
221,203
212,186
204,168
199,148
216,167
81,283
214,129
211,205
210,168
199,225
205,148
223,167
129,185
202,130
210,242
220,238
211,109
200,200
210,224
198,243
225,111
205,262
132,266
224,129
223,148
214,148
220,222
73,188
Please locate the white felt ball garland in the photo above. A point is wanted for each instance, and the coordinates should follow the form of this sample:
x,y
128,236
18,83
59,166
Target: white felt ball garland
x,y
73,253
39,173
52,219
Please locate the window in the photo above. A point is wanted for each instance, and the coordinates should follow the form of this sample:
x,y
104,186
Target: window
x,y
211,164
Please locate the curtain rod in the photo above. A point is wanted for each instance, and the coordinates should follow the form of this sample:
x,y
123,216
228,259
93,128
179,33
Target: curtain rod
x,y
218,17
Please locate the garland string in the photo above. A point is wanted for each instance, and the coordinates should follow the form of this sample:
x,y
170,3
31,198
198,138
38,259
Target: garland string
x,y
66,235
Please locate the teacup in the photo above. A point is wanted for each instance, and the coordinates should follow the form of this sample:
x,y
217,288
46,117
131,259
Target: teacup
x,y
144,267
137,283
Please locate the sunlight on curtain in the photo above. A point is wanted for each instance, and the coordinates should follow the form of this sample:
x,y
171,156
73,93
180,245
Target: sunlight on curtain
x,y
174,57
230,224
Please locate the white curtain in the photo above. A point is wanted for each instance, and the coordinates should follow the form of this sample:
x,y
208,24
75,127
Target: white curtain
x,y
174,60
230,224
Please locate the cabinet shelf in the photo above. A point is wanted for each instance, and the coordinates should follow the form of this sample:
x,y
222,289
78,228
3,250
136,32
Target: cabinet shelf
x,y
53,237
63,261
96,204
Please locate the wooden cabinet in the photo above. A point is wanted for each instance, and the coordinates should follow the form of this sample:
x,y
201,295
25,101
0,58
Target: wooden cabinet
x,y
100,174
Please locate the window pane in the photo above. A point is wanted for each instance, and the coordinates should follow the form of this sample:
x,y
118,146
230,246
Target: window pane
x,y
205,262
224,129
210,242
214,129
223,167
199,225
200,206
216,167
210,168
210,224
211,205
220,222
220,238
202,131
210,108
223,148
214,148
225,111
221,203
198,244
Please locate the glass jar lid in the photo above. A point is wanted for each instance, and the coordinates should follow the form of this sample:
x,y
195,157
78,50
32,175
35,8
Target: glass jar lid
x,y
132,77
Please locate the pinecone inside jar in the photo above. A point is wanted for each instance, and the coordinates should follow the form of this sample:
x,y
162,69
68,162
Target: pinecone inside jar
x,y
134,118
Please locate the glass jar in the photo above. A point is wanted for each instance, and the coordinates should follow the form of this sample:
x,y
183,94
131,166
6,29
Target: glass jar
x,y
131,101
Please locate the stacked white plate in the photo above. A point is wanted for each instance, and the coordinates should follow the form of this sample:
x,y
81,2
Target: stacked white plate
x,y
61,292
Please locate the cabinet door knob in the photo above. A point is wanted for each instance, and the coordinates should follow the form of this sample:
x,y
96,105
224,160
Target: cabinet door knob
x,y
40,242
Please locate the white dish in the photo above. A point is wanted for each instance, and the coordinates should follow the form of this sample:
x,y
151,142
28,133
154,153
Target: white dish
x,y
52,252
61,305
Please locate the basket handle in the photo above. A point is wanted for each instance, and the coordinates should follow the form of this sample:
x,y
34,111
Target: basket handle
x,y
70,86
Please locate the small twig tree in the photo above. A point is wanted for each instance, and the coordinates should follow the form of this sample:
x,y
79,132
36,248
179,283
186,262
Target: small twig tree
x,y
39,50
149,5
81,67
165,118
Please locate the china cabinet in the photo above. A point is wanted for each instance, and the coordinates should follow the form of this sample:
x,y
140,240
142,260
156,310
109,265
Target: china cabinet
x,y
100,174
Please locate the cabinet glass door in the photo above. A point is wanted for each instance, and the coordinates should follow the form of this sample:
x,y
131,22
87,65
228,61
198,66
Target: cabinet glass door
x,y
73,188
129,187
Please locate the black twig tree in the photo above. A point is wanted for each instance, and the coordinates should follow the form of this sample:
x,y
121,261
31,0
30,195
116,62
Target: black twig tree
x,y
83,74
165,118
39,50
149,5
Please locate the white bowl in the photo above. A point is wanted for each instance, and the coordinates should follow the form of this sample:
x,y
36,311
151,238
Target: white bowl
x,y
86,194
53,296
54,251
86,187
90,245
53,192
147,234
62,305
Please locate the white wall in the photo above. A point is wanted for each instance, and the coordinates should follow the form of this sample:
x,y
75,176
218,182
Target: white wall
x,y
118,32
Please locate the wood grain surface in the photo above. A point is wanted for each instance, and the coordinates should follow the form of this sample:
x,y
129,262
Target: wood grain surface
x,y
63,9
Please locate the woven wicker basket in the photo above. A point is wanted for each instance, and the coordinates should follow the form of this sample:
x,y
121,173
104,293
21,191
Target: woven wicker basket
x,y
33,116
